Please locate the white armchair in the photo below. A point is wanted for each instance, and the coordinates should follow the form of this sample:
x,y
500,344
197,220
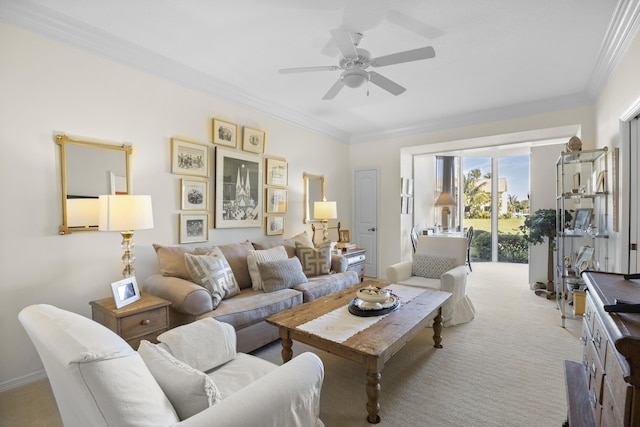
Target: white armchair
x,y
99,380
439,263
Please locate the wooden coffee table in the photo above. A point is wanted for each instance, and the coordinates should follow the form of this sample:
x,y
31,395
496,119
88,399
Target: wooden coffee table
x,y
371,347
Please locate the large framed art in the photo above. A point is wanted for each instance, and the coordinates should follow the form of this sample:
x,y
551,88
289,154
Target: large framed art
x,y
239,193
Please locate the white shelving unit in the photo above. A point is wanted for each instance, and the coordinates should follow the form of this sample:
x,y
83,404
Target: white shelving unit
x,y
581,190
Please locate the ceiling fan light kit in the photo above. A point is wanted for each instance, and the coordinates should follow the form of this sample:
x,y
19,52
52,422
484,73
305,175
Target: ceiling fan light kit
x,y
354,61
355,78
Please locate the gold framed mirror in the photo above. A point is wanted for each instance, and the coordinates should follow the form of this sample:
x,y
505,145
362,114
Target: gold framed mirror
x,y
88,170
314,191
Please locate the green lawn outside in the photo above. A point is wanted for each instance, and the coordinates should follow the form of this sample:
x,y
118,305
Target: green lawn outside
x,y
506,226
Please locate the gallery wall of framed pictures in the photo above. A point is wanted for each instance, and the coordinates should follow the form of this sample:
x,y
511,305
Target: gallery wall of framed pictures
x,y
234,178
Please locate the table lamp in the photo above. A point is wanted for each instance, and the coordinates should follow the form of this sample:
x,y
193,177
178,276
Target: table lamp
x,y
125,213
325,210
445,200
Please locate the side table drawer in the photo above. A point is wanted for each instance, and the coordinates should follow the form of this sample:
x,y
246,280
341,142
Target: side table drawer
x,y
358,268
144,323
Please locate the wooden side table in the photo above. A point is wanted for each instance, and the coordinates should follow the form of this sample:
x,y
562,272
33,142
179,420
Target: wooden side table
x,y
144,319
355,259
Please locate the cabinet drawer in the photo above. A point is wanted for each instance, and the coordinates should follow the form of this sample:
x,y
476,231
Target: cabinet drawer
x,y
595,371
143,323
589,315
620,391
599,339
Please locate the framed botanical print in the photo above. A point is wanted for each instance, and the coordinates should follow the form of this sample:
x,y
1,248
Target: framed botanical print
x,y
194,195
253,140
274,225
225,133
239,190
276,200
189,158
277,172
194,228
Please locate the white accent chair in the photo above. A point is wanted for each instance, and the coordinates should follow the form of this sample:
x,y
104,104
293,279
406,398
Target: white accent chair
x,y
439,263
99,380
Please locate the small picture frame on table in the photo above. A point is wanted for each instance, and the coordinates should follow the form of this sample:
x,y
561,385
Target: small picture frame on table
x,y
344,236
125,291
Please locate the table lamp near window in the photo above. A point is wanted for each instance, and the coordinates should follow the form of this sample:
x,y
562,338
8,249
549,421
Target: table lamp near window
x,y
125,213
445,201
325,210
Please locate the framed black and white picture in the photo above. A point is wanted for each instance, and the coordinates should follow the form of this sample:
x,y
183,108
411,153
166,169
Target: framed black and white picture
x,y
225,133
194,195
194,228
239,191
253,140
125,291
277,172
276,200
189,158
274,225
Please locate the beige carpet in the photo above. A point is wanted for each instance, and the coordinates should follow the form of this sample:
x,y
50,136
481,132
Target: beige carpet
x,y
502,369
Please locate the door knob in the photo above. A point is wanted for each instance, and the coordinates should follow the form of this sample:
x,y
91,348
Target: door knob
x,y
371,229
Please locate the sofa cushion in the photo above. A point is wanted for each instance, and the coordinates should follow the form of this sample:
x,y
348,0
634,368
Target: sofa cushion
x,y
251,306
171,259
239,373
431,266
281,274
236,255
203,345
190,391
326,284
212,271
289,244
315,261
274,254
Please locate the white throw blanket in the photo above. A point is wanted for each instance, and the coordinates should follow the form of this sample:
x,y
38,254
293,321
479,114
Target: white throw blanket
x,y
339,325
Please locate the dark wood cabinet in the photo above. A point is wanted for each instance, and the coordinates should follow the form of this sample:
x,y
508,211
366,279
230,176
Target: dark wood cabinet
x,y
604,389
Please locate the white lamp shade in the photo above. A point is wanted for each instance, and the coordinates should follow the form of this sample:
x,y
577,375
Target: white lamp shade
x,y
325,210
445,199
125,213
82,212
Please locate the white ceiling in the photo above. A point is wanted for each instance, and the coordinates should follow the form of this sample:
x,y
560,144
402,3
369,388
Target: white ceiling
x,y
495,59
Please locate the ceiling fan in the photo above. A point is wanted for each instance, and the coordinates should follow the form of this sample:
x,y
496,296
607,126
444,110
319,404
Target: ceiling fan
x,y
354,61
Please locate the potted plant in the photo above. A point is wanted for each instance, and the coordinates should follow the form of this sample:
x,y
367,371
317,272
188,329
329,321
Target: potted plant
x,y
537,226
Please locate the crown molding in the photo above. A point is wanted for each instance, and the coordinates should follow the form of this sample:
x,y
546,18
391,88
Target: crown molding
x,y
38,19
48,23
623,27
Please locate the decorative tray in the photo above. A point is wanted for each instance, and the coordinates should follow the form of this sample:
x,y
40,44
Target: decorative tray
x,y
362,308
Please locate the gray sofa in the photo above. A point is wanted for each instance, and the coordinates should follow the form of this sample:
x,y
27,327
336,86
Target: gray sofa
x,y
248,310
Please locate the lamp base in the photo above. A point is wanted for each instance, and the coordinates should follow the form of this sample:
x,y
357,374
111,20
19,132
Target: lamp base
x,y
128,258
325,230
445,219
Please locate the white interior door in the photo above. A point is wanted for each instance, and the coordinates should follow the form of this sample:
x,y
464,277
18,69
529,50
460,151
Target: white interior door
x,y
634,187
366,217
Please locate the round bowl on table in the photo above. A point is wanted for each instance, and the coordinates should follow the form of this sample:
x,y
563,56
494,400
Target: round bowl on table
x,y
373,295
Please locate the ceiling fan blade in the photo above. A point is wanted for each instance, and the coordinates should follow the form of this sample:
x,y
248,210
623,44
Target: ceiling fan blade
x,y
385,83
342,38
337,86
308,69
406,56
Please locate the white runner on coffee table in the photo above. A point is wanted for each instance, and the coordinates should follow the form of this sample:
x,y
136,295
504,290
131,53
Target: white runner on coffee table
x,y
339,325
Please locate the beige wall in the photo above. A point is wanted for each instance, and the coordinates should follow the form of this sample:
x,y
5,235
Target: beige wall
x,y
47,86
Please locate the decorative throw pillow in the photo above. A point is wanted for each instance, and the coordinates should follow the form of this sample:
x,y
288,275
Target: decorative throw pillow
x,y
431,266
254,257
171,259
282,274
190,391
315,261
212,271
204,344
